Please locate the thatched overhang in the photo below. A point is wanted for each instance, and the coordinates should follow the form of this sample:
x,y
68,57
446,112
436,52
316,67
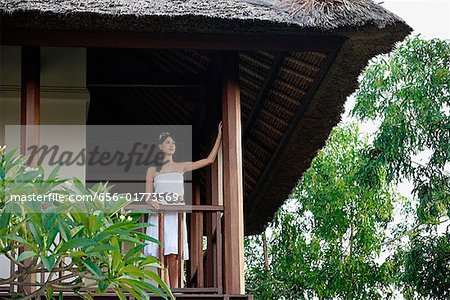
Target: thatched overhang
x,y
295,70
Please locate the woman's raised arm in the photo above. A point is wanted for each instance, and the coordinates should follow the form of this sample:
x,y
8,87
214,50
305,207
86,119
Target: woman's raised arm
x,y
190,166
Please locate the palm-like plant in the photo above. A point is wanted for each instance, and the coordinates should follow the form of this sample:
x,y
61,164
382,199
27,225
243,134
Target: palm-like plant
x,y
79,245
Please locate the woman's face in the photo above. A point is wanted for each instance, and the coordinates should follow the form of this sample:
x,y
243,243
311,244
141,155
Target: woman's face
x,y
168,146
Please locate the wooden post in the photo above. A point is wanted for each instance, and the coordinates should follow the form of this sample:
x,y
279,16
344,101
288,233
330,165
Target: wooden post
x,y
30,98
215,234
209,259
196,254
162,271
232,177
29,120
218,184
181,234
213,93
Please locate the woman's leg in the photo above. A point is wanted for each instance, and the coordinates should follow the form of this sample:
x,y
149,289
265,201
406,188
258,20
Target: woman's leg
x,y
171,262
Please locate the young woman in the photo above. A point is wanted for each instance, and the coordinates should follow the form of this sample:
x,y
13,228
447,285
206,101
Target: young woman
x,y
167,179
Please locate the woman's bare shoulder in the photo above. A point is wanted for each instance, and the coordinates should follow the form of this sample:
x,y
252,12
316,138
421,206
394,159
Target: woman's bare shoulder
x,y
151,171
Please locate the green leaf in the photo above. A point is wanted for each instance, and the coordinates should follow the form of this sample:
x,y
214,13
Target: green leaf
x,y
149,286
20,240
120,293
25,255
4,220
116,255
93,268
103,285
80,186
54,173
36,234
76,243
48,261
132,271
102,248
156,278
64,230
134,251
135,291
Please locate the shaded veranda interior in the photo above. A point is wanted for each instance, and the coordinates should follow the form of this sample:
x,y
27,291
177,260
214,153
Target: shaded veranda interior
x,y
278,81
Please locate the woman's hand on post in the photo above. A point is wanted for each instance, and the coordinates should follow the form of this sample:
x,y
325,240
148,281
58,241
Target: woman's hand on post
x,y
153,203
219,131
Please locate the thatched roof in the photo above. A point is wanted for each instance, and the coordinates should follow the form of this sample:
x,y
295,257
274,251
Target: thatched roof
x,y
140,14
303,99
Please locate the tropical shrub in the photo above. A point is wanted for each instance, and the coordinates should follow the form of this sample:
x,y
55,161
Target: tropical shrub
x,y
80,245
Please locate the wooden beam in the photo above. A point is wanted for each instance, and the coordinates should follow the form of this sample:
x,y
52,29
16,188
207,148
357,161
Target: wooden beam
x,y
161,272
181,235
30,121
218,250
196,233
263,92
212,101
233,229
214,275
209,257
30,98
117,39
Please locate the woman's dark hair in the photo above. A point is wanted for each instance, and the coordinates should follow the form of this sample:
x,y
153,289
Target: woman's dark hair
x,y
163,136
160,156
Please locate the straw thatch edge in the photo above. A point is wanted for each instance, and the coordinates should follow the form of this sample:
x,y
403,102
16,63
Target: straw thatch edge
x,y
140,15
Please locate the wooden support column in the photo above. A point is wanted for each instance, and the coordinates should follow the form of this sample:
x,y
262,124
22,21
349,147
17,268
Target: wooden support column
x,y
217,197
212,120
232,175
208,220
30,98
196,265
30,119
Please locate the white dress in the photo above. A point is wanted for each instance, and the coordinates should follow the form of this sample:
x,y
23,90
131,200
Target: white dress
x,y
172,182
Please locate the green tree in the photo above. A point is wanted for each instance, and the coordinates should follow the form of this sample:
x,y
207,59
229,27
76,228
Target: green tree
x,y
328,243
344,201
408,93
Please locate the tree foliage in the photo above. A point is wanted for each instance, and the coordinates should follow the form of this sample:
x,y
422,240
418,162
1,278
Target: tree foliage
x,y
408,93
328,246
326,241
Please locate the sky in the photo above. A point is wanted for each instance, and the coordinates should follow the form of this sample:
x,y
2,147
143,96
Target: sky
x,y
430,18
